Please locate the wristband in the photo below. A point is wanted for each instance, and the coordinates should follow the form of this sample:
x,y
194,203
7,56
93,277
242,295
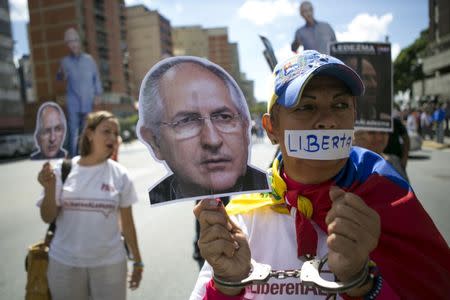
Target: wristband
x,y
372,272
138,265
376,288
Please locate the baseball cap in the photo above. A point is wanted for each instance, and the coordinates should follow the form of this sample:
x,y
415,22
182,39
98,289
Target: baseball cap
x,y
292,75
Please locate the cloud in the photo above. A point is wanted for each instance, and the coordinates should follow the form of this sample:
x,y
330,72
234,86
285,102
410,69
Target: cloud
x,y
366,28
395,50
264,93
369,28
262,12
19,10
281,36
179,8
284,52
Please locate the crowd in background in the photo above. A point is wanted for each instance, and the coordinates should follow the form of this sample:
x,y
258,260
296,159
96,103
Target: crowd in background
x,y
430,119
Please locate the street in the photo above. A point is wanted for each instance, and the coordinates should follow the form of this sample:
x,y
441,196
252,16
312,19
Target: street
x,y
166,233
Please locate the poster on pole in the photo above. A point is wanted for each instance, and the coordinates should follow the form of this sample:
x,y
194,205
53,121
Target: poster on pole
x,y
373,63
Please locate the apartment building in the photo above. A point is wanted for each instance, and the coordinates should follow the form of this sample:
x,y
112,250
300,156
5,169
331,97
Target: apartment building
x,y
149,39
213,44
11,106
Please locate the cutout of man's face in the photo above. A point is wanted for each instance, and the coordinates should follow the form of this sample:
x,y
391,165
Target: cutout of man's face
x,y
203,139
52,131
72,40
306,11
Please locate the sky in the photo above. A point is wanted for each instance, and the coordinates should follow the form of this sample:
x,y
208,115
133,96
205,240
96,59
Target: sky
x,y
352,20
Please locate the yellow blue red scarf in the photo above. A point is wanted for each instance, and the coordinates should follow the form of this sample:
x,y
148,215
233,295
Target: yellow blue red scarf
x,y
282,201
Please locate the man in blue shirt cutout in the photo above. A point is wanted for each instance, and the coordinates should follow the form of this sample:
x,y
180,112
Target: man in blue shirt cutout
x,y
84,86
314,35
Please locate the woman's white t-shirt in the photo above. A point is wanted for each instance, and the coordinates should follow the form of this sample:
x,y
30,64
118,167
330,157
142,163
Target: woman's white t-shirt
x,y
87,226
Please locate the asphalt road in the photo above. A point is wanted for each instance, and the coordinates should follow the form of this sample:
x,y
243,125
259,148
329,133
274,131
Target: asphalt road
x,y
166,233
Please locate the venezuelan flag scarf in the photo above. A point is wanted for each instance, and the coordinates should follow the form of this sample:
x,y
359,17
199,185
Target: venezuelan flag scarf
x,y
287,197
412,255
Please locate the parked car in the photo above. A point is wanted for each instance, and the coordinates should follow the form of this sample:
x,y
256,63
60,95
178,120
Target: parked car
x,y
16,144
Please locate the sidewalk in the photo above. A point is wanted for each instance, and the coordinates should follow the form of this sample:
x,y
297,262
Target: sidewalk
x,y
432,144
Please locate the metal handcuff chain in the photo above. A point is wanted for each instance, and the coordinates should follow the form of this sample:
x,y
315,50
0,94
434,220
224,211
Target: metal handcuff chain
x,y
309,274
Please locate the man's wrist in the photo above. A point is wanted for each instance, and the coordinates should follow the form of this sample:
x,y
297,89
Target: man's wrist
x,y
229,291
371,286
225,289
361,291
50,187
138,265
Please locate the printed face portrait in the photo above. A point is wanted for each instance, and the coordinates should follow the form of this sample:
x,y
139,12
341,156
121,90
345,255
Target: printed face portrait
x,y
369,77
373,63
72,40
50,132
201,133
306,11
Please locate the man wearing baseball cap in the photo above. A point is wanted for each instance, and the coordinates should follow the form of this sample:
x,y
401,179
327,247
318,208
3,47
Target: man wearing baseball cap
x,y
328,198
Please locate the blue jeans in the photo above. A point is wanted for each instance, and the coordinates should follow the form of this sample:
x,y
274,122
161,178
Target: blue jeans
x,y
76,122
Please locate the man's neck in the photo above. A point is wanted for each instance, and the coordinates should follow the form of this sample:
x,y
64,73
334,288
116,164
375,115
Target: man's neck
x,y
310,24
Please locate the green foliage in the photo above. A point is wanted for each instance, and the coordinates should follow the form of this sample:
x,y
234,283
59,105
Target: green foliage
x,y
259,108
407,66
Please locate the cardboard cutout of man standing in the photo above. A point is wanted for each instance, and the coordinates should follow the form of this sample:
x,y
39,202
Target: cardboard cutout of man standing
x,y
84,86
314,35
194,118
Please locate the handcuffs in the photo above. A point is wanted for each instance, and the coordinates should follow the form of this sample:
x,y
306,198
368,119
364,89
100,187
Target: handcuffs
x,y
309,275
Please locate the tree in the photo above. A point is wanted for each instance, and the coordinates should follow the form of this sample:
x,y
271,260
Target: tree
x,y
258,109
407,65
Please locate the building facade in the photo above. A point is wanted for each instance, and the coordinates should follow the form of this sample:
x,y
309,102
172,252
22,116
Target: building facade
x,y
11,106
436,63
190,40
246,85
149,39
219,50
213,44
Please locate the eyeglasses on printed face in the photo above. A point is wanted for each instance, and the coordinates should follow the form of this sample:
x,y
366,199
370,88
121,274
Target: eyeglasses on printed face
x,y
189,126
